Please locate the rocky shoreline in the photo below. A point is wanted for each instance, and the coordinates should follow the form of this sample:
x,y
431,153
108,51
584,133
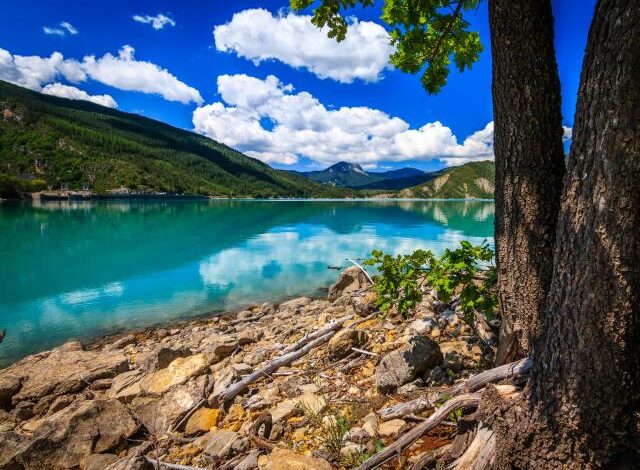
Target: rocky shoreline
x,y
306,384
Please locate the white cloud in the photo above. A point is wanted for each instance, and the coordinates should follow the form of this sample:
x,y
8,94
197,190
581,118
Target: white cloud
x,y
257,35
34,71
126,73
62,29
301,126
71,92
157,22
53,31
69,27
122,71
567,133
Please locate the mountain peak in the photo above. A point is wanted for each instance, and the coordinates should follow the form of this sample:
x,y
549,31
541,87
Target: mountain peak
x,y
346,167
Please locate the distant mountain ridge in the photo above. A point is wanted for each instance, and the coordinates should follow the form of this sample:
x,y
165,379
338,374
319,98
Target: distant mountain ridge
x,y
352,175
475,180
70,143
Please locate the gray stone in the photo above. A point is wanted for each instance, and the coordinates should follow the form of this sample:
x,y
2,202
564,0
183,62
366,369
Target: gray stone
x,y
340,345
406,363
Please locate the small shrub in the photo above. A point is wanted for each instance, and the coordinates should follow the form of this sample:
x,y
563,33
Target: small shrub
x,y
401,278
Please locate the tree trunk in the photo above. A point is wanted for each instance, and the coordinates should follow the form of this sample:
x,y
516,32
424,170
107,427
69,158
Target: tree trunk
x,y
530,166
585,385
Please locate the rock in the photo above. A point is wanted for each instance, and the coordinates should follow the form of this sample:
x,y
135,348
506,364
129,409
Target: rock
x,y
357,435
11,445
226,377
162,357
134,459
61,371
311,402
220,347
390,428
61,403
422,326
159,414
284,410
203,420
370,425
435,376
71,435
242,368
9,386
364,305
406,363
284,459
98,461
250,462
340,345
256,357
246,337
349,280
126,386
178,372
352,448
120,343
218,444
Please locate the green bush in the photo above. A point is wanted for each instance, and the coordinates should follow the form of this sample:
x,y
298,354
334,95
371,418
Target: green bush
x,y
401,279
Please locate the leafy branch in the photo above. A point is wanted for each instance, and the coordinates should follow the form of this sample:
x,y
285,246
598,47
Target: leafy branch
x,y
401,278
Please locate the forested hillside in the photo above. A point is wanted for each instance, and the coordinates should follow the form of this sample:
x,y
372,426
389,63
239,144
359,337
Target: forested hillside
x,y
45,140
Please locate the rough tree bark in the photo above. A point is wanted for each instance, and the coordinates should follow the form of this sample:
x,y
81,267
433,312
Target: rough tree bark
x,y
584,388
530,168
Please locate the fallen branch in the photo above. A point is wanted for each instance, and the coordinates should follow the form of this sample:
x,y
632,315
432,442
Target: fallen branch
x,y
234,389
429,458
515,369
400,445
331,326
367,353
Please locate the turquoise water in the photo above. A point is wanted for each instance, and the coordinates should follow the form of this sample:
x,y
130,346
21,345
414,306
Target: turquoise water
x,y
79,270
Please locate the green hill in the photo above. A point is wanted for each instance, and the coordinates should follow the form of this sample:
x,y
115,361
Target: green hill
x,y
46,140
474,180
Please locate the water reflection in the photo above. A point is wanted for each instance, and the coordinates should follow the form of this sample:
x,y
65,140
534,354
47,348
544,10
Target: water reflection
x,y
82,269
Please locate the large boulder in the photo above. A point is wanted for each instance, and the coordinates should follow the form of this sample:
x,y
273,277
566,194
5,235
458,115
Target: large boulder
x,y
340,345
134,460
66,438
350,279
62,371
407,363
285,459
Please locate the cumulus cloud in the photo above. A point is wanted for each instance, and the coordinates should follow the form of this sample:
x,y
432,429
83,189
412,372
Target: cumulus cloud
x,y
71,92
301,126
62,29
157,22
122,71
567,133
34,71
126,73
257,35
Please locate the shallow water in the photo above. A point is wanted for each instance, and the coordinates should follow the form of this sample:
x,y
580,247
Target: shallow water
x,y
79,270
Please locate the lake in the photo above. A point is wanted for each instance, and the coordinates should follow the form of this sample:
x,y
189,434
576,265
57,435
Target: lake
x,y
79,270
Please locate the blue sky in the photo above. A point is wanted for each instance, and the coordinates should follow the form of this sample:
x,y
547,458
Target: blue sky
x,y
265,84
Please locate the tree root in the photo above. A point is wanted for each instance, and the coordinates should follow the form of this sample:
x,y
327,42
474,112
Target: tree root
x,y
515,369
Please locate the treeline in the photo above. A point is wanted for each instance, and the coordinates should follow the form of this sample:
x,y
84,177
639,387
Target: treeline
x,y
71,143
